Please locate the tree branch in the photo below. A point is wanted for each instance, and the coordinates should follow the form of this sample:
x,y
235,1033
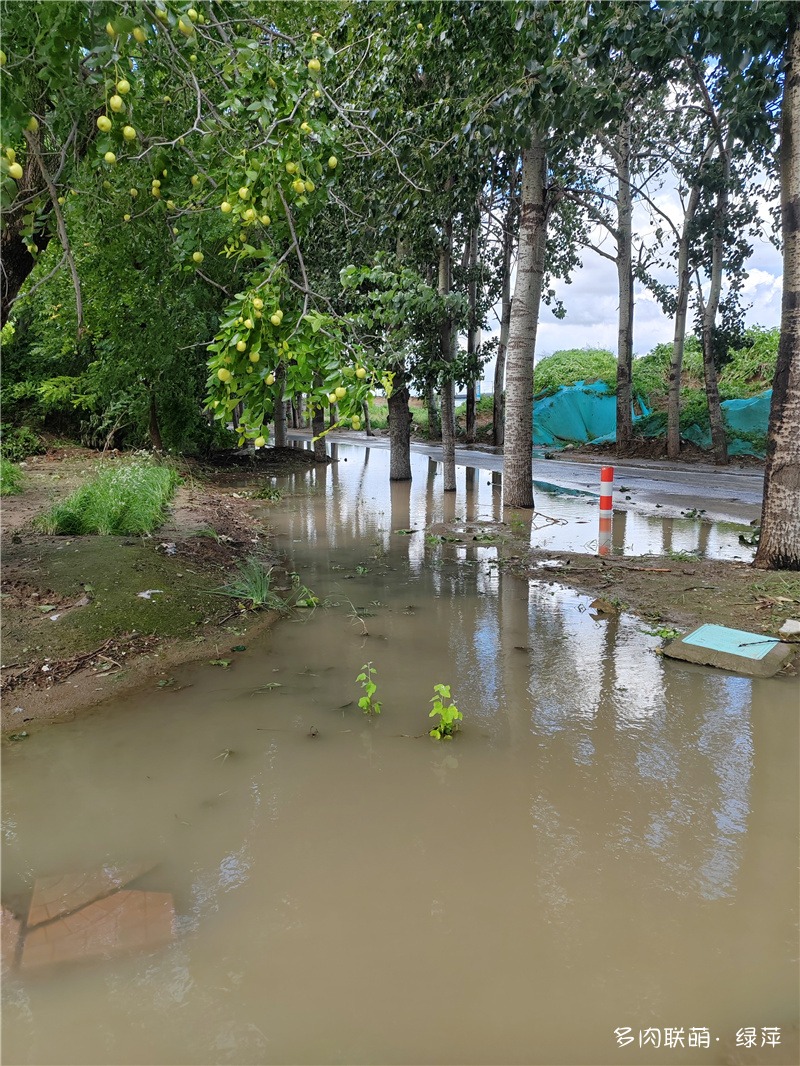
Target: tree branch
x,y
60,225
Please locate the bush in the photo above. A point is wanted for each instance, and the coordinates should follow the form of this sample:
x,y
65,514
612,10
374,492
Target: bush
x,y
125,500
574,364
10,478
18,442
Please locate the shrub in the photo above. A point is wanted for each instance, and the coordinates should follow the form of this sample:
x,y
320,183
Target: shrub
x,y
10,478
574,364
18,442
125,500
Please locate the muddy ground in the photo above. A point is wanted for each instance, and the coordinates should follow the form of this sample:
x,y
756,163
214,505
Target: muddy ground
x,y
76,628
84,618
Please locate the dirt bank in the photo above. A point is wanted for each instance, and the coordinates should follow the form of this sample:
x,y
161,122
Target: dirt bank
x,y
85,618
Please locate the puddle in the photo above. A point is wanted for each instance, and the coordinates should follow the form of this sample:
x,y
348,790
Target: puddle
x,y
603,846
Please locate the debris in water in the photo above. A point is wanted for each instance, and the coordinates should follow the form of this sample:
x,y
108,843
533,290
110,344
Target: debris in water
x,y
125,922
54,897
753,654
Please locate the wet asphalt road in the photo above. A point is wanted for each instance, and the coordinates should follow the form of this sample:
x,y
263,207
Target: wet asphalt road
x,y
666,488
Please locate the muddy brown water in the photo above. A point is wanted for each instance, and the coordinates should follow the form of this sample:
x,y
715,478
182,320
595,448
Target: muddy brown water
x,y
610,843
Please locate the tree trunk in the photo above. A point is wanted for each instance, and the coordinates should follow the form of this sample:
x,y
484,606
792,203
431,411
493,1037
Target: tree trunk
x,y
709,332
625,283
472,333
446,344
679,334
370,432
498,400
280,413
155,430
434,414
517,465
399,429
317,429
779,548
334,415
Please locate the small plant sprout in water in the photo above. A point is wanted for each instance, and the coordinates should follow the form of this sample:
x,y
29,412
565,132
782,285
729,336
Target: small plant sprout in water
x,y
448,714
367,704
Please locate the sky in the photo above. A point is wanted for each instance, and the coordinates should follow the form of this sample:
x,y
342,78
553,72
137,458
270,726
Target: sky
x,y
591,300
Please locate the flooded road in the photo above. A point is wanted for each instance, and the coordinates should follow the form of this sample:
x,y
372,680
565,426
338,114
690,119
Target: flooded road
x,y
609,843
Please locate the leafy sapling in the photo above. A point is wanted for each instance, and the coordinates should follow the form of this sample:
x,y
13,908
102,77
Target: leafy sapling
x,y
367,704
448,714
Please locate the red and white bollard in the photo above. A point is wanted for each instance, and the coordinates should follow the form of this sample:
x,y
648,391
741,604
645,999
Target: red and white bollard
x,y
606,510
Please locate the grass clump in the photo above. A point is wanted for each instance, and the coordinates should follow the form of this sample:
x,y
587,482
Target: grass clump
x,y
125,500
252,588
10,478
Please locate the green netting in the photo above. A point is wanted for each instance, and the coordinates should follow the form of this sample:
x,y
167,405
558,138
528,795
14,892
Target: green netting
x,y
577,414
587,414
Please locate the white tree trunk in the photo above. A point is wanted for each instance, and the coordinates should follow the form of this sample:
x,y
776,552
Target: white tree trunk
x,y
517,465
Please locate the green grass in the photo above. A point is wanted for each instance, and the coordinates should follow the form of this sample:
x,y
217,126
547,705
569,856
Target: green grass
x,y
125,500
10,478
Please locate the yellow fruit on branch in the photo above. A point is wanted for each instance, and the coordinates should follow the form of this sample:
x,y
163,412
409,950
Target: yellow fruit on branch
x,y
304,126
309,185
126,217
192,14
299,186
276,319
248,323
360,372
129,133
15,170
225,207
104,123
110,29
340,391
249,215
161,14
265,220
33,124
291,167
223,374
195,179
134,193
244,193
198,257
110,158
123,86
186,28
11,155
241,346
314,66
333,162
254,357
139,35
331,398
258,303
270,379
171,205
259,442
156,183
115,103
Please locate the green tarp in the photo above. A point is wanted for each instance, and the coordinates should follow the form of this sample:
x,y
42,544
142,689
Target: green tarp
x,y
587,414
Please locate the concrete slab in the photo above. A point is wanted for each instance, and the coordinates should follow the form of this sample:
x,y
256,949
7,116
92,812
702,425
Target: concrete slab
x,y
54,897
753,654
129,921
9,939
